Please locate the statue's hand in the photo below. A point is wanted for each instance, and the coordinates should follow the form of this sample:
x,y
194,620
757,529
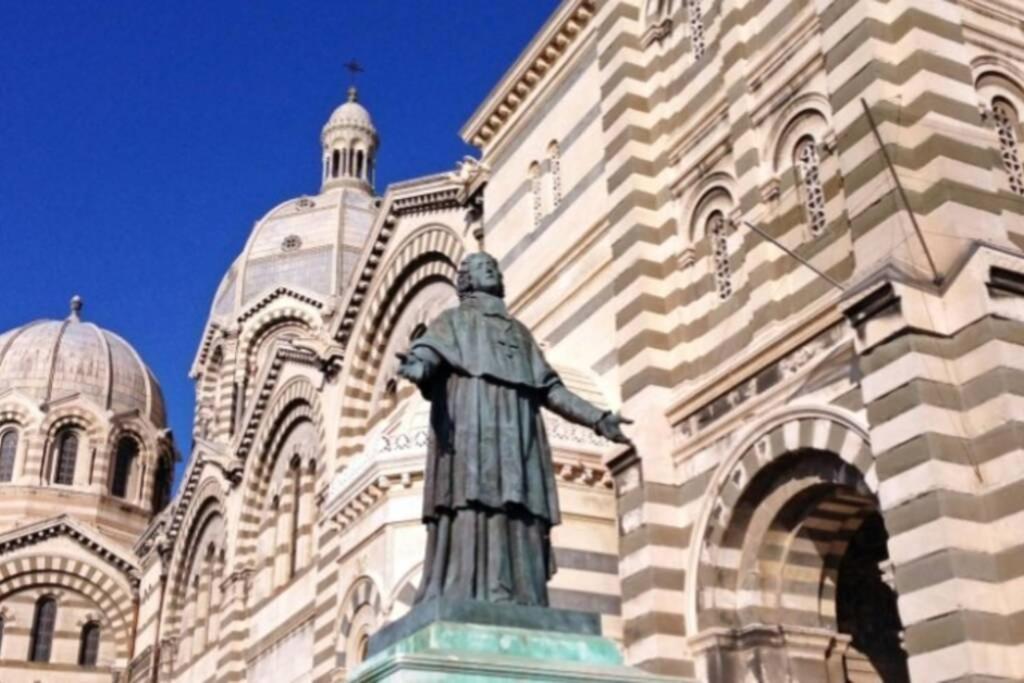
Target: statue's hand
x,y
411,368
610,427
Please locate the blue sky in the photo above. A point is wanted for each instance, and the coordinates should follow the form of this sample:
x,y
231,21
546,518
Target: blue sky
x,y
139,141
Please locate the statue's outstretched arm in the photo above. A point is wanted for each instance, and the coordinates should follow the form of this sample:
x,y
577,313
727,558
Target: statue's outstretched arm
x,y
419,364
573,408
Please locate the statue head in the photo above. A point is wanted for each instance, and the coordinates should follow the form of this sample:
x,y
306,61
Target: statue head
x,y
479,272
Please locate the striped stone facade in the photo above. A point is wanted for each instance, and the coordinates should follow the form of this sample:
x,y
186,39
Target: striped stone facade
x,y
795,429
785,237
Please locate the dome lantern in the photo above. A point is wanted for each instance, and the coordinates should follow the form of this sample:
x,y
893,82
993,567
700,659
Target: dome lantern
x,y
350,144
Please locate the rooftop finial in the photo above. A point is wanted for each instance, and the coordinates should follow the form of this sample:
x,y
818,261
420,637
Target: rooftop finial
x,y
354,68
76,307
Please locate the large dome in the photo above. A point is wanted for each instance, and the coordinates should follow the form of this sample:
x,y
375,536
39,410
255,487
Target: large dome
x,y
310,244
49,360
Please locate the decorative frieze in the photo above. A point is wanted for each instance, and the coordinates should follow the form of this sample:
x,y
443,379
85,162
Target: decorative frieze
x,y
777,372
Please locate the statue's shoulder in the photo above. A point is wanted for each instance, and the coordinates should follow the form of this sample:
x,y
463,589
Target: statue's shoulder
x,y
523,329
449,320
447,315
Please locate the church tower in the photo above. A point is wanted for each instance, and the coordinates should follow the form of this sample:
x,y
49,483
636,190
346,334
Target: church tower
x,y
350,143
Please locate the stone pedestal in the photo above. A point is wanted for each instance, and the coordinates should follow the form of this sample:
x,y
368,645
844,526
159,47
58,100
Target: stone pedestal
x,y
477,642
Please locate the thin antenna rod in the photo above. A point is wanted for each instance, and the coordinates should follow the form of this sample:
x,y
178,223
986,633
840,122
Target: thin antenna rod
x,y
902,192
795,255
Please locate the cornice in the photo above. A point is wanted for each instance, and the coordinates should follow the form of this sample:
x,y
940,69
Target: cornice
x,y
426,202
265,300
65,526
1003,11
536,62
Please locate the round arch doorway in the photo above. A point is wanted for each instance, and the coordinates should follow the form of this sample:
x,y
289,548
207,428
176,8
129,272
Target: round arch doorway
x,y
798,581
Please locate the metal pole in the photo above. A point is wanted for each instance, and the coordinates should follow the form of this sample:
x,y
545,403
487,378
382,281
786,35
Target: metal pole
x,y
902,193
792,253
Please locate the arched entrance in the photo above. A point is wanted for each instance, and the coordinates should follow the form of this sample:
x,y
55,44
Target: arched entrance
x,y
794,580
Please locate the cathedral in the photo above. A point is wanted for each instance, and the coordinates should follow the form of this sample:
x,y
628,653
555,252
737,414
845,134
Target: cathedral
x,y
785,237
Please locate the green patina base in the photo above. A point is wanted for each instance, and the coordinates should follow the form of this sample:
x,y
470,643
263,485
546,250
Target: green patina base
x,y
476,653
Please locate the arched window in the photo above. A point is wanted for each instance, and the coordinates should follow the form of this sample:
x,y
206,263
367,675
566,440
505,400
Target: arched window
x,y
808,166
67,453
89,644
697,39
359,163
124,462
555,161
8,449
717,233
536,190
41,639
335,163
216,596
162,485
1008,126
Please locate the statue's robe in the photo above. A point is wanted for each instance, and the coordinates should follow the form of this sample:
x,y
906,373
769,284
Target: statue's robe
x,y
490,497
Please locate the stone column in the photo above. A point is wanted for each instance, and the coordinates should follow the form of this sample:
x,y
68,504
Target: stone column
x,y
187,625
202,610
216,598
234,626
283,536
264,569
306,481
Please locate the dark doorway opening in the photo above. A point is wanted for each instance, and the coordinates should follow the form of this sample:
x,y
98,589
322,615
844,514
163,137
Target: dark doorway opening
x,y
866,602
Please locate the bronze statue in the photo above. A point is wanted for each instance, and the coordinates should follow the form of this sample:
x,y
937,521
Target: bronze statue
x,y
490,499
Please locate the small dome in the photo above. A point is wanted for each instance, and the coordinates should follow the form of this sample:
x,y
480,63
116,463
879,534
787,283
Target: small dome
x,y
48,360
351,114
